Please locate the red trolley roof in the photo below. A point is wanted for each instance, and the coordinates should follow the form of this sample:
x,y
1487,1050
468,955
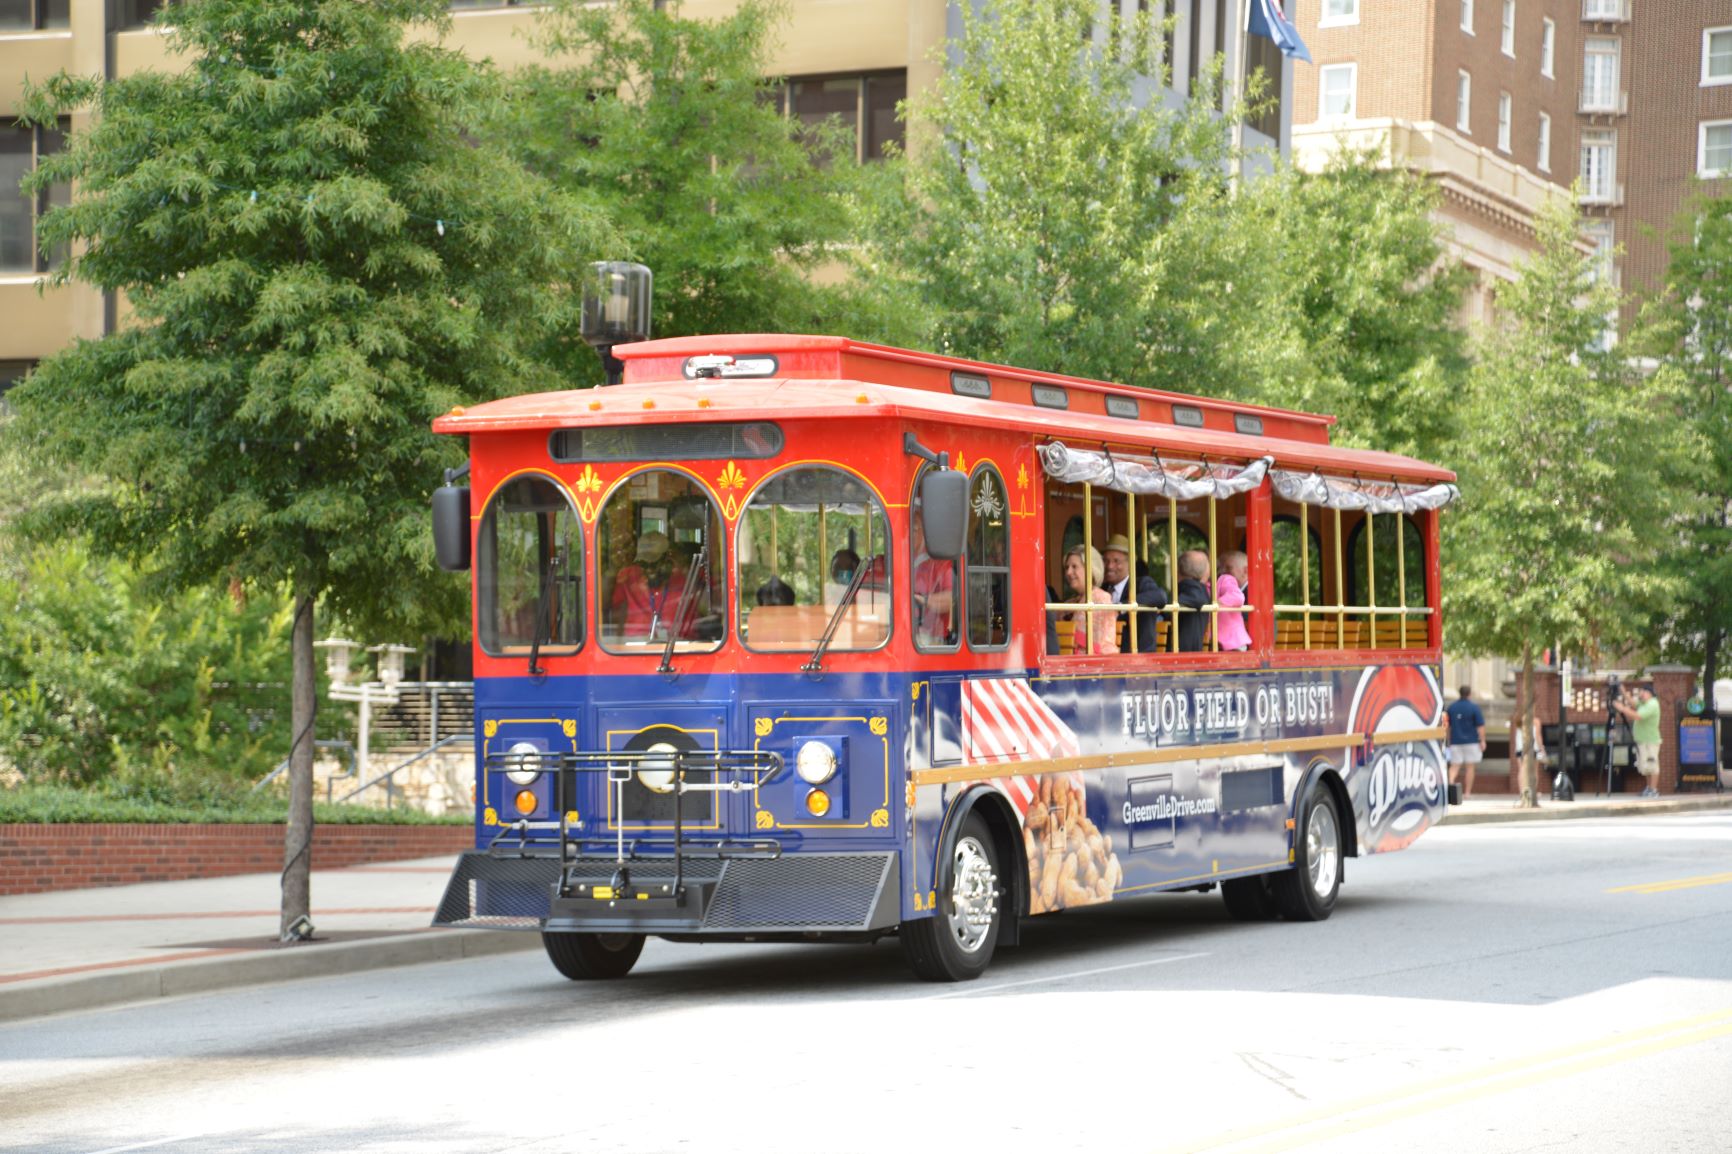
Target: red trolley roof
x,y
819,376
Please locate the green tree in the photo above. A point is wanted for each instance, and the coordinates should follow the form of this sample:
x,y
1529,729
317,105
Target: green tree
x,y
1052,221
1570,473
667,127
320,261
1377,300
1687,326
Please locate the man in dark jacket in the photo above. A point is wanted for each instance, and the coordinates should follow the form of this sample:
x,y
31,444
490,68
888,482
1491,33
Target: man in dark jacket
x,y
1193,594
1119,584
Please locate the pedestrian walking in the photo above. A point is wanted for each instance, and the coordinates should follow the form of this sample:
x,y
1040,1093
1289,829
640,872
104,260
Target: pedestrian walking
x,y
1466,739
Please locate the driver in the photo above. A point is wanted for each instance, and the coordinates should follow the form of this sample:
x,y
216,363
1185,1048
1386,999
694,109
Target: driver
x,y
647,591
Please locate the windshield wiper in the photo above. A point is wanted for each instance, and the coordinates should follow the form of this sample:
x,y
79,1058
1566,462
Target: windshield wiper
x,y
678,625
542,615
817,661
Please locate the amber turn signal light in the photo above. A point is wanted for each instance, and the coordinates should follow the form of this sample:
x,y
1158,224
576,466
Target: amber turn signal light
x,y
817,803
525,801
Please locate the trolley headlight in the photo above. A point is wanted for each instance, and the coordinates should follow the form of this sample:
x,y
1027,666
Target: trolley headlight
x,y
523,763
815,763
657,773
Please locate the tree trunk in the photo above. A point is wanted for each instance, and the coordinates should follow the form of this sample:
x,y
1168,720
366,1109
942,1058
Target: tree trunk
x,y
1524,711
298,840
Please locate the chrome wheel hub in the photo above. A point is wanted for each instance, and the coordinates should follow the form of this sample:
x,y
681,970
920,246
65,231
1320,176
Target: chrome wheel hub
x,y
1322,850
973,895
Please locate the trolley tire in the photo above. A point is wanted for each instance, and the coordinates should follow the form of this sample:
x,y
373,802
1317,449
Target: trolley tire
x,y
936,947
1250,899
1307,892
583,957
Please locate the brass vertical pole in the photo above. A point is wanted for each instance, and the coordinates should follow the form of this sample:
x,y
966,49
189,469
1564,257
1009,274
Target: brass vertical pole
x,y
1305,567
1213,610
1340,588
1371,571
1173,571
1131,580
1088,546
1401,573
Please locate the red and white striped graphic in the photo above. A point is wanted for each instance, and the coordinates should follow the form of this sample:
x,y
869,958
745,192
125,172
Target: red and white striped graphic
x,y
1004,721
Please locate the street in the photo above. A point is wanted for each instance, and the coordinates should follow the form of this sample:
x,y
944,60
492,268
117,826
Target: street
x,y
1547,985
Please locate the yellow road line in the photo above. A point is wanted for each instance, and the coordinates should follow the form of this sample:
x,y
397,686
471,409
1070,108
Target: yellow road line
x,y
1674,884
1403,1103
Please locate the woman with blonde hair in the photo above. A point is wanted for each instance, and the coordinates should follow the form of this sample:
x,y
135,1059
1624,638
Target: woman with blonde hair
x,y
1093,633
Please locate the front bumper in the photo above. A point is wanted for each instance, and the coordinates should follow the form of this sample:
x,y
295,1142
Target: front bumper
x,y
802,893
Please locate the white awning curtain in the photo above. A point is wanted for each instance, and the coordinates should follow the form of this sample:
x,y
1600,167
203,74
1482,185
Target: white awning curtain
x,y
1351,493
1151,476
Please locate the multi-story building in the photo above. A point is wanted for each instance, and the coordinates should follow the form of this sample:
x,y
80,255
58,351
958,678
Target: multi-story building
x,y
856,60
1479,95
1654,116
1503,102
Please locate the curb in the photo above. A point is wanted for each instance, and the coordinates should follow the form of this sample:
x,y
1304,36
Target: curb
x,y
1568,810
46,996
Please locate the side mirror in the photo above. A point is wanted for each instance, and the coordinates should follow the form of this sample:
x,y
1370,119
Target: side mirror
x,y
944,505
451,527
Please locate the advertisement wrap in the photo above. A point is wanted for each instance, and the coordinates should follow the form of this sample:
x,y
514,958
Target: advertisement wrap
x,y
1140,784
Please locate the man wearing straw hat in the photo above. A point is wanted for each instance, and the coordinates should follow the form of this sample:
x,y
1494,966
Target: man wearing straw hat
x,y
1119,583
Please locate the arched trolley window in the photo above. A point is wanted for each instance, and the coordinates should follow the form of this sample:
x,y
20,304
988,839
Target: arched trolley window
x,y
804,537
932,585
1163,528
660,566
529,571
988,561
1367,589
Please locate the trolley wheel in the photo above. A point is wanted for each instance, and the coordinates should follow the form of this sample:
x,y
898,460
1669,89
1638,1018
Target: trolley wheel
x,y
585,956
956,943
1307,892
1250,899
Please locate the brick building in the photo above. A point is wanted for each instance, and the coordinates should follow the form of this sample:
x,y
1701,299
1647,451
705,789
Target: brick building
x,y
1505,102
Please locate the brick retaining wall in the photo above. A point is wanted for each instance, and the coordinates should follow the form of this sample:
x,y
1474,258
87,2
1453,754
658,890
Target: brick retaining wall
x,y
36,858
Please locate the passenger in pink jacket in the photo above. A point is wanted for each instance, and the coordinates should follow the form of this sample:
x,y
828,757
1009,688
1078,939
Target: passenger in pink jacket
x,y
1230,594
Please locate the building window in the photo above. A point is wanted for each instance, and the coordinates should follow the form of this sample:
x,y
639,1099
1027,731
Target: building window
x,y
1602,9
11,373
20,150
1599,165
1463,101
30,15
1600,75
1715,149
867,104
1545,149
1548,46
1339,12
1509,27
1335,91
1467,16
1503,117
1717,56
1602,266
137,13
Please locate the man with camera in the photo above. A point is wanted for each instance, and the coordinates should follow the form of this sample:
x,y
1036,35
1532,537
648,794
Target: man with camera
x,y
1642,709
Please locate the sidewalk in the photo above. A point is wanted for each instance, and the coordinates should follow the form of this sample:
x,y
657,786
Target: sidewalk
x,y
78,949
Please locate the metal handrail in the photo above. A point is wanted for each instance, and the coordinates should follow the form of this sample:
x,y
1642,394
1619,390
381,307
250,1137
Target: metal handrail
x,y
429,751
331,743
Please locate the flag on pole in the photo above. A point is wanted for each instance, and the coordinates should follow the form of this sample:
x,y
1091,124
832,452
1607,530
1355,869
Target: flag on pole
x,y
1267,19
